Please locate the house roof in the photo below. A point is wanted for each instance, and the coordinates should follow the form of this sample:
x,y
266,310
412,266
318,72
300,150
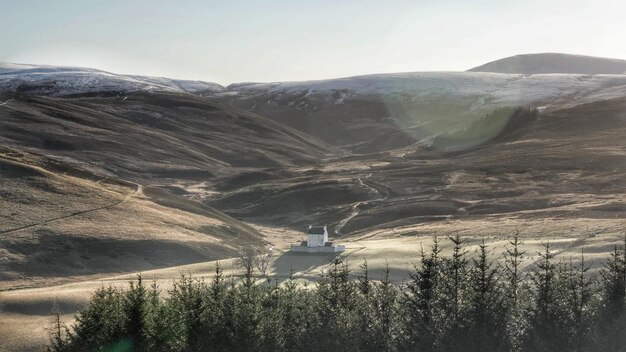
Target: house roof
x,y
316,230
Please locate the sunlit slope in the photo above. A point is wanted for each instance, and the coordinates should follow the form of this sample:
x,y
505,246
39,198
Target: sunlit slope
x,y
59,223
147,136
397,110
562,165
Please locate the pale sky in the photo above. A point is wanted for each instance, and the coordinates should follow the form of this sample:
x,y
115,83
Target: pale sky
x,y
230,41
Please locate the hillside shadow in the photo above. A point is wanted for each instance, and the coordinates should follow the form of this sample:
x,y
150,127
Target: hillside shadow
x,y
48,254
300,263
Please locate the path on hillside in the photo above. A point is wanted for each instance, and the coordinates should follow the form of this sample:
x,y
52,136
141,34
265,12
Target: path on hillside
x,y
6,102
355,207
138,190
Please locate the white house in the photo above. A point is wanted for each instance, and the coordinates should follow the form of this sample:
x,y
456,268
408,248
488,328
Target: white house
x,y
317,242
317,236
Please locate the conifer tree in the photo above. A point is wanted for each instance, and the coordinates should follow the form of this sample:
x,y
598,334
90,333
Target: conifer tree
x,y
453,322
247,311
215,318
59,339
138,313
611,316
420,301
384,318
187,297
488,311
101,324
365,316
548,322
579,293
364,281
513,258
297,314
514,290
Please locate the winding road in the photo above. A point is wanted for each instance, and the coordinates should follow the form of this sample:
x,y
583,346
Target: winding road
x,y
355,207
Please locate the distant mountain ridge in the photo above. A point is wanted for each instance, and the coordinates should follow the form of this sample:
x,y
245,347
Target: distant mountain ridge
x,y
553,63
67,80
362,113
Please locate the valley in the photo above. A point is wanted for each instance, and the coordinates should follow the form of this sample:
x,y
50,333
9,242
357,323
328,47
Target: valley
x,y
103,176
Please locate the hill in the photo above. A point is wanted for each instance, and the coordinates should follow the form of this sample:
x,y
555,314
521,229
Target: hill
x,y
142,136
67,80
362,114
106,184
377,113
61,223
554,63
526,172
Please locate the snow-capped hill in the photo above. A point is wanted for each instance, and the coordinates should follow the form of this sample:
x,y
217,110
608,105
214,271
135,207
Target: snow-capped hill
x,y
366,113
554,63
496,88
24,69
64,80
183,85
415,82
476,88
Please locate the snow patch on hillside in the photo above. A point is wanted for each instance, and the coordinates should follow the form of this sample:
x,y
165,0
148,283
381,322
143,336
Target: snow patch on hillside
x,y
63,80
418,82
485,88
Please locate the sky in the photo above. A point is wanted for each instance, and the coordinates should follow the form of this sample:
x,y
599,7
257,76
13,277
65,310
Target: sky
x,y
278,40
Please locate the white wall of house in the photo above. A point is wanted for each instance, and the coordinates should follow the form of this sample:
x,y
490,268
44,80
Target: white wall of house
x,y
317,240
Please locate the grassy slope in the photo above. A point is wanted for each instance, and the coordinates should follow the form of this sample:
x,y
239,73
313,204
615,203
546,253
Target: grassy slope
x,y
60,227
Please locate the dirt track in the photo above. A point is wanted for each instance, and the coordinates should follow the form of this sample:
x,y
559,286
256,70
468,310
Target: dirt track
x,y
137,192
